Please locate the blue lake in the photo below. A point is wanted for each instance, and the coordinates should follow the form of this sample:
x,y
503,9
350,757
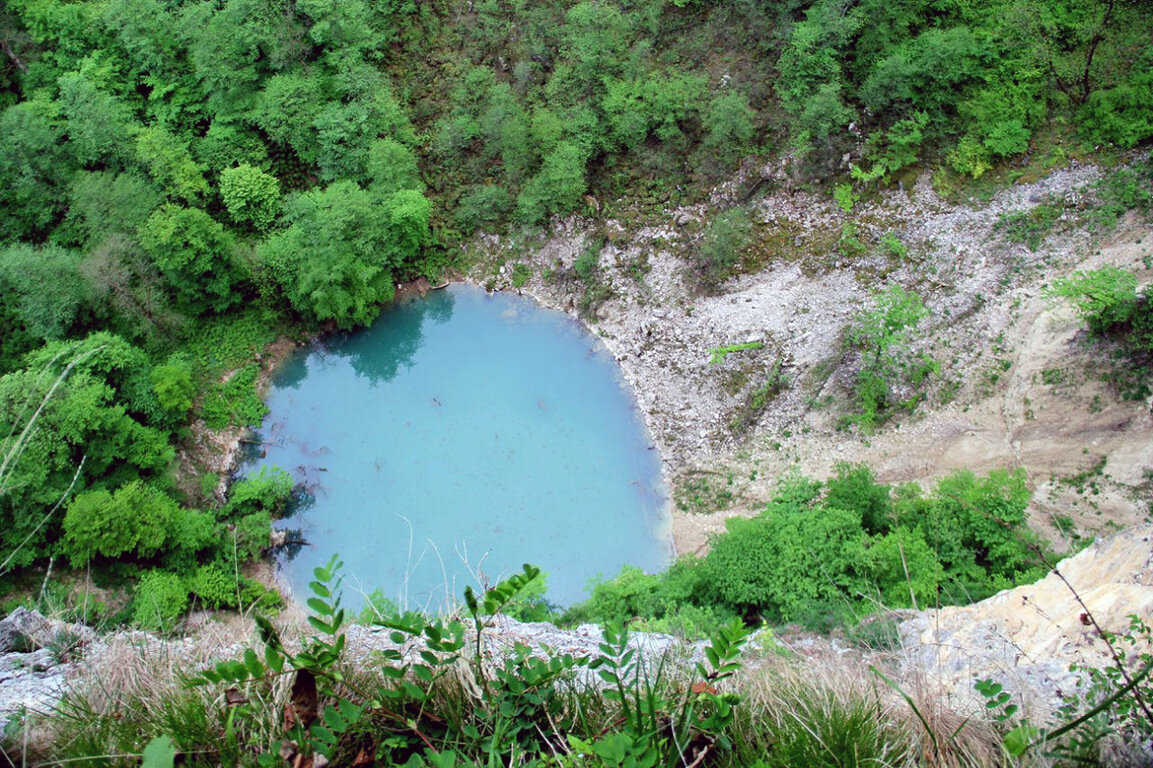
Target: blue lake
x,y
459,436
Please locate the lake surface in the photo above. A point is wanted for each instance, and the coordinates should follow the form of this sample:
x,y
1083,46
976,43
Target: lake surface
x,y
459,436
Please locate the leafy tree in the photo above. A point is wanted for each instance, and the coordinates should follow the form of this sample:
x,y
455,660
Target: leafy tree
x,y
196,256
482,206
228,144
856,489
102,203
130,287
34,172
45,289
250,195
557,188
883,336
99,126
170,164
134,520
345,130
728,122
82,438
286,110
109,359
392,167
507,132
337,257
655,104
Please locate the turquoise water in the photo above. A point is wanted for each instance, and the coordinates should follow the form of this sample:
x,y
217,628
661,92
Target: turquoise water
x,y
462,435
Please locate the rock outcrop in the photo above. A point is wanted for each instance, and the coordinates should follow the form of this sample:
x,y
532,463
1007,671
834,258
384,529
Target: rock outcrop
x,y
1026,638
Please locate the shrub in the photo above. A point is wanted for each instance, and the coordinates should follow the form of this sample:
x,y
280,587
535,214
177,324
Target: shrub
x,y
266,491
251,196
173,384
160,598
883,337
1104,297
722,245
134,520
482,207
557,188
215,587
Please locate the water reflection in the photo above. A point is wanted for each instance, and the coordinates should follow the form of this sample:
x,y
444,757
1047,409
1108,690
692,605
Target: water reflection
x,y
458,437
379,354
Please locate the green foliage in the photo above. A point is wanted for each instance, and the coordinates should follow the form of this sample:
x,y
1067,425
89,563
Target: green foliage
x,y
883,337
824,553
170,164
45,290
99,125
655,105
251,196
1108,301
1030,227
844,198
102,203
214,587
482,207
392,167
722,246
34,171
405,715
728,123
1105,297
174,386
338,257
234,402
266,491
717,355
196,255
133,520
160,598
557,188
83,436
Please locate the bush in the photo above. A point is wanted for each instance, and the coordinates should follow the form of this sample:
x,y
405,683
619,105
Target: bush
x,y
161,597
266,491
134,520
215,587
722,245
251,196
883,337
173,384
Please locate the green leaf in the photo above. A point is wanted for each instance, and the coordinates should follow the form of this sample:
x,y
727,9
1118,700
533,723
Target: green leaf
x,y
1017,740
273,659
252,663
160,753
318,605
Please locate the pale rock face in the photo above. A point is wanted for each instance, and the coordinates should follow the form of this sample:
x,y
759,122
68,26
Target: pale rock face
x,y
1026,638
33,673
